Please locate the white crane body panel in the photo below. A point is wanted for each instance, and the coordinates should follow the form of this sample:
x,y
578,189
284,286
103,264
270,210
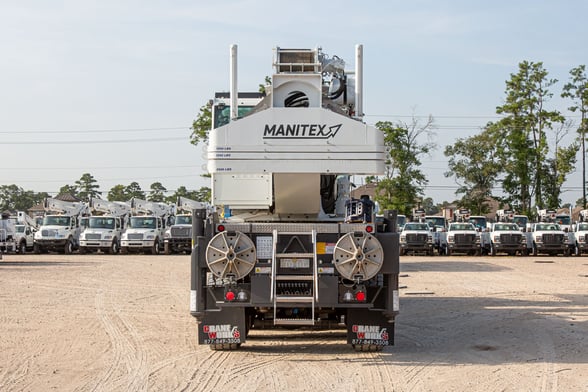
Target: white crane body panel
x,y
285,245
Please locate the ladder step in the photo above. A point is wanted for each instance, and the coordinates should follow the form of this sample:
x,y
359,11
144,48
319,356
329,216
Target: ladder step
x,y
292,299
294,277
295,255
293,322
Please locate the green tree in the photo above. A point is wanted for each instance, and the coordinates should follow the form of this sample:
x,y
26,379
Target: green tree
x,y
523,142
577,90
69,189
117,193
15,198
87,187
202,125
203,194
404,181
474,164
157,192
134,190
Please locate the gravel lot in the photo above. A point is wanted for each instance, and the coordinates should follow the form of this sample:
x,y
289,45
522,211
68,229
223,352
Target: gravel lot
x,y
122,323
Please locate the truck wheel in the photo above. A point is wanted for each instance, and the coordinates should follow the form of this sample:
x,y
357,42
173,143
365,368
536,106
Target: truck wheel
x,y
225,346
367,347
22,247
68,249
113,249
166,249
492,250
124,250
535,250
83,250
448,251
155,247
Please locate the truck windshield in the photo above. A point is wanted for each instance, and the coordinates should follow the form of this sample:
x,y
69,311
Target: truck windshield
x,y
183,220
435,221
56,220
478,222
222,114
521,221
20,229
139,222
101,223
563,220
416,226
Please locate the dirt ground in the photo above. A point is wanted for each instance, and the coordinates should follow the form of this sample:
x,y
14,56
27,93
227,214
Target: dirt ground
x,y
122,323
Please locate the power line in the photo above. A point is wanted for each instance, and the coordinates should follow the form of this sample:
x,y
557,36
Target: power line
x,y
45,131
168,139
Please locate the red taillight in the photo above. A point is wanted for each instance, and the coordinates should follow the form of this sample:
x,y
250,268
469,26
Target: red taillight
x,y
369,229
360,296
230,295
220,228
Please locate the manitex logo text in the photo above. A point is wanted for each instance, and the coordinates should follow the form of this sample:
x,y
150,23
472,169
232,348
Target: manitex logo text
x,y
300,131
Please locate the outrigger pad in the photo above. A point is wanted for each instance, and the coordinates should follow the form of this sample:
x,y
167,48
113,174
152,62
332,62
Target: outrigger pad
x,y
368,327
226,326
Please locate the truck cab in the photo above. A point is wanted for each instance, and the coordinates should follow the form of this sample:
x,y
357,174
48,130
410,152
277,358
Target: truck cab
x,y
416,237
461,237
580,238
506,237
547,238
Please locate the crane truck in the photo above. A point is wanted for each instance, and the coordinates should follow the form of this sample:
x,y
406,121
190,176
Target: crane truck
x,y
146,227
103,229
283,246
60,230
178,237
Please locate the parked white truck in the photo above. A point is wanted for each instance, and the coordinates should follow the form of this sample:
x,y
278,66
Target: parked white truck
x,y
25,232
504,237
416,237
178,236
7,234
548,238
461,237
103,229
60,230
146,227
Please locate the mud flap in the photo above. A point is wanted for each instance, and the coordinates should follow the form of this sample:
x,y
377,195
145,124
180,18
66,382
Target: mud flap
x,y
368,327
226,326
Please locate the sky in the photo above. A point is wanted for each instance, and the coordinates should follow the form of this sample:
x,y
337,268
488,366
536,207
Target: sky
x,y
111,87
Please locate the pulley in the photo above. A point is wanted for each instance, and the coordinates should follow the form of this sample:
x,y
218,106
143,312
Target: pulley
x,y
358,256
231,253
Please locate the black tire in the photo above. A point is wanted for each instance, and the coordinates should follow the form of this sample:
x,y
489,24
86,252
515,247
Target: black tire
x,y
492,250
69,247
367,347
113,249
22,247
37,249
83,250
225,346
448,251
577,251
166,248
124,250
155,248
535,250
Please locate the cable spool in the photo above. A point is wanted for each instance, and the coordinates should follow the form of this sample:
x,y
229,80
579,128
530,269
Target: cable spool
x,y
231,253
358,256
